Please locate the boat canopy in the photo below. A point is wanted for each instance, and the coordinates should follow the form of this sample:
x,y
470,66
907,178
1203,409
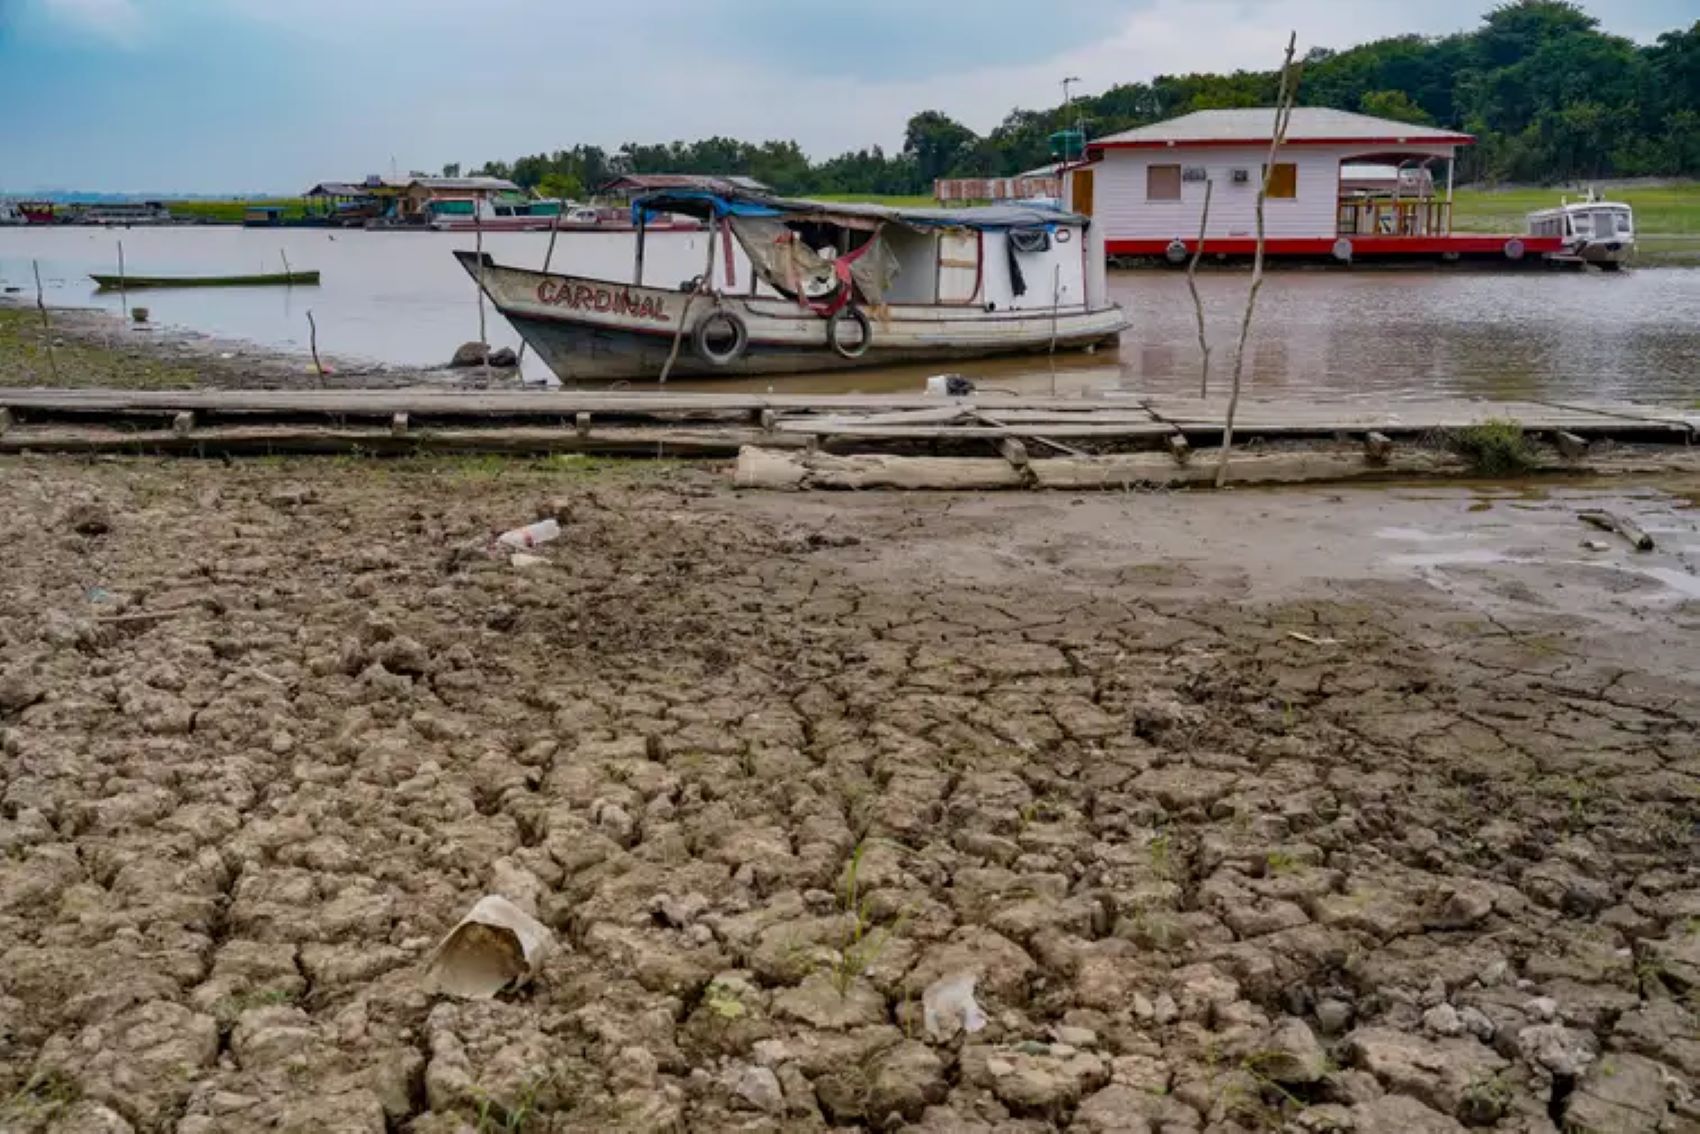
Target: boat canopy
x,y
711,204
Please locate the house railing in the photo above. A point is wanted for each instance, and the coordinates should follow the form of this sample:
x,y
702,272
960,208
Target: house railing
x,y
1387,217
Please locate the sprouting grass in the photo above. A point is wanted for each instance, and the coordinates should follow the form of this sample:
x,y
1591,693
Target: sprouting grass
x,y
25,360
920,201
863,944
1493,448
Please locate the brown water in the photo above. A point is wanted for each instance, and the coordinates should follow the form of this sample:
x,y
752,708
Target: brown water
x,y
400,298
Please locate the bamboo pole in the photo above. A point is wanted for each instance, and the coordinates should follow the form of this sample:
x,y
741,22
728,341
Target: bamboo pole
x,y
483,337
123,287
288,281
702,286
1284,100
1197,303
548,257
46,323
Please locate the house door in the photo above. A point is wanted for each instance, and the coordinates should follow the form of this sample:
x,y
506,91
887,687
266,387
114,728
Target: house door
x,y
959,266
1081,179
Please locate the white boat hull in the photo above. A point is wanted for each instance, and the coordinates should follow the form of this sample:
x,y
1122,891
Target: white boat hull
x,y
598,329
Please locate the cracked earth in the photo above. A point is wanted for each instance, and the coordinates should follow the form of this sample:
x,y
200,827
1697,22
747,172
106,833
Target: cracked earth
x,y
1235,819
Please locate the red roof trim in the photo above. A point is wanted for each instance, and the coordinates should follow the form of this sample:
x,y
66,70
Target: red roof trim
x,y
1187,143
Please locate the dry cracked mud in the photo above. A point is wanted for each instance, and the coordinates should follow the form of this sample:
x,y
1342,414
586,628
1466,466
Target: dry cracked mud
x,y
1224,846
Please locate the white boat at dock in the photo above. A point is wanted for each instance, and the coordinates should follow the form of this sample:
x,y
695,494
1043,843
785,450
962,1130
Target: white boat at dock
x,y
790,286
1594,231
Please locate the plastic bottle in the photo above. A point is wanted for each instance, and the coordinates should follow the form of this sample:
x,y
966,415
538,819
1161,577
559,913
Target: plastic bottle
x,y
531,535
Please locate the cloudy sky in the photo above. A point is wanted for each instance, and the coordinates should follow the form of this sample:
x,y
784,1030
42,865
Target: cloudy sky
x,y
246,95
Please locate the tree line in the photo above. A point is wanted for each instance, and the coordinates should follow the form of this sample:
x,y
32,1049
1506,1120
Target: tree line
x,y
1549,95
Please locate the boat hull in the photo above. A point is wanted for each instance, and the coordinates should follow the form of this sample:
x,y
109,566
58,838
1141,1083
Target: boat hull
x,y
586,329
134,283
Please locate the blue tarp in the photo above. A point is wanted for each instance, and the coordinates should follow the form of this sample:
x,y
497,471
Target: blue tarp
x,y
706,203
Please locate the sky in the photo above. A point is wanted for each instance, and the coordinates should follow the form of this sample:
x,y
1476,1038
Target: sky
x,y
229,96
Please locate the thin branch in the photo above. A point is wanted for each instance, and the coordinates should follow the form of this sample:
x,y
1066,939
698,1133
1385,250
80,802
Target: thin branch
x,y
1284,102
1197,303
46,323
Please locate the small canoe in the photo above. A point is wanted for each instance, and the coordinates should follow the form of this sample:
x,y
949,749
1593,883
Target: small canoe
x,y
274,279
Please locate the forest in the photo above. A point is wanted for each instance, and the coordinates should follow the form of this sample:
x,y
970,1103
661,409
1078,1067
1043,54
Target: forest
x,y
1550,96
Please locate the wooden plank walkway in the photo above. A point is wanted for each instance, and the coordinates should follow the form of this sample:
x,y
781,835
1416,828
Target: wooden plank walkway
x,y
713,422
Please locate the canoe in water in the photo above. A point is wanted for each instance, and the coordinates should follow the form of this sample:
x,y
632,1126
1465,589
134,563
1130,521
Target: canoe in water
x,y
114,283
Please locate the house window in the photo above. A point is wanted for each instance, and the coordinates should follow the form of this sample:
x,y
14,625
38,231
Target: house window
x,y
1283,181
1162,183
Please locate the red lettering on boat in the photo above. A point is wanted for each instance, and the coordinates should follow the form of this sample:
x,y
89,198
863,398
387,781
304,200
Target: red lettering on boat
x,y
546,291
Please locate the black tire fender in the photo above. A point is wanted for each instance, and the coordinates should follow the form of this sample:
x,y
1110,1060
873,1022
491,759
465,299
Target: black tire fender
x,y
857,316
710,328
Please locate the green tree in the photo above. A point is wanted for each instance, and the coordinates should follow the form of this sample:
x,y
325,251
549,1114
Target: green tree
x,y
1396,105
451,169
560,186
937,143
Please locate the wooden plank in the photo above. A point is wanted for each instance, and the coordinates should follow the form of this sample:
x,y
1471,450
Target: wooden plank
x,y
265,439
1570,446
975,432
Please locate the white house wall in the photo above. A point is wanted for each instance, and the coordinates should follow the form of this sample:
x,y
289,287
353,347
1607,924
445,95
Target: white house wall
x,y
1122,208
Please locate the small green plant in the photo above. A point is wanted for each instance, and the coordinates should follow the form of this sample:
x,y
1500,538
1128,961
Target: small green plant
x,y
41,1098
494,1118
1280,862
1486,1098
723,1002
863,944
1493,448
1161,851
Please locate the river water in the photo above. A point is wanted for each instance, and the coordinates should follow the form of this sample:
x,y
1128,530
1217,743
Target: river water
x,y
400,298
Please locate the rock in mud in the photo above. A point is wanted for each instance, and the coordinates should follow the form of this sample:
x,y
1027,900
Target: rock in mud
x,y
141,1063
904,1081
1437,1072
1291,1054
1625,1094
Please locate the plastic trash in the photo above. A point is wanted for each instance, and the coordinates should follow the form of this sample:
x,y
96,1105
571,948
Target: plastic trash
x,y
496,946
531,535
949,1007
949,385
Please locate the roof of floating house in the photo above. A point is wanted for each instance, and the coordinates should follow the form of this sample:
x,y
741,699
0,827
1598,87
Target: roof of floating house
x,y
1310,125
720,203
653,182
465,184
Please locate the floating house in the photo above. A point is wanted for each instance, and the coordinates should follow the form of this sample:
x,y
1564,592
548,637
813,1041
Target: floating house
x,y
632,185
1346,186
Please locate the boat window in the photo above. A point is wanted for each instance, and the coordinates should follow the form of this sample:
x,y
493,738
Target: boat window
x,y
1625,224
1283,181
1162,183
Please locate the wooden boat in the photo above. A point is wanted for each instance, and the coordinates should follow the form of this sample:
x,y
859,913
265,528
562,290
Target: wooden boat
x,y
790,286
1595,232
272,279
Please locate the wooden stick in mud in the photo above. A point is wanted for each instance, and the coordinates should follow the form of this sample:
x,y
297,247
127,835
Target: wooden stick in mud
x,y
313,342
46,323
548,257
1287,96
702,286
483,338
1628,529
123,287
287,281
1197,303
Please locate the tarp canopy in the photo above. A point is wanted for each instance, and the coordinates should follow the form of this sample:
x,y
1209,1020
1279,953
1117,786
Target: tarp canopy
x,y
715,204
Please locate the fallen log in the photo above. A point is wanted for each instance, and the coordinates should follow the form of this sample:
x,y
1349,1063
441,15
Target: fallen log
x,y
1628,529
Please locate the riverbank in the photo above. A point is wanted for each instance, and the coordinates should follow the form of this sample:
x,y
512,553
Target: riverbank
x,y
1367,810
81,348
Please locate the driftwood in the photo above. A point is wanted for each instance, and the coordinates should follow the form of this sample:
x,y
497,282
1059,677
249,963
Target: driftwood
x,y
1570,446
1378,447
1628,529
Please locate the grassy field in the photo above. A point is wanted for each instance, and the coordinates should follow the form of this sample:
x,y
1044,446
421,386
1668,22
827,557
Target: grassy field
x,y
230,212
1672,210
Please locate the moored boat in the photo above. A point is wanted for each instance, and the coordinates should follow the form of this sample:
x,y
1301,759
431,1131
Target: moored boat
x,y
791,286
273,279
1594,231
